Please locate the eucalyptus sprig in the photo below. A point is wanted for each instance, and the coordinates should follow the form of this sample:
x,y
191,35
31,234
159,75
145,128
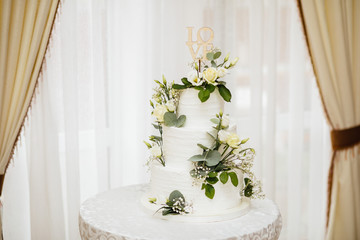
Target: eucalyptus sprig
x,y
207,78
164,106
220,161
176,204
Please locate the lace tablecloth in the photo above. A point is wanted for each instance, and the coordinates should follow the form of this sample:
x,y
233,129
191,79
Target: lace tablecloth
x,y
117,214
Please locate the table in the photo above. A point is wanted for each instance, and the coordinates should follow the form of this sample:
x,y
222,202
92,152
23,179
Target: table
x,y
117,214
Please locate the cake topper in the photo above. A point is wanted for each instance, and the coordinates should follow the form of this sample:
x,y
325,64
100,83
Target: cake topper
x,y
206,45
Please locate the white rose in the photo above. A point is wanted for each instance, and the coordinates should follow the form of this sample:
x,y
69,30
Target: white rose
x,y
159,112
225,121
155,151
221,71
233,140
194,79
171,106
223,135
210,75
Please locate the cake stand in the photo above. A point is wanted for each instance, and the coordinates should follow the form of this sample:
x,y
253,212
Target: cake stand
x,y
118,214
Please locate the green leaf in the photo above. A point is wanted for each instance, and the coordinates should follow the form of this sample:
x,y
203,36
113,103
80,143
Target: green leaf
x,y
197,158
156,126
210,56
160,84
220,167
202,146
204,95
209,191
213,174
203,186
212,180
167,211
215,120
199,88
186,82
217,55
211,135
213,64
175,195
248,191
210,87
225,93
253,150
234,178
180,121
178,86
169,203
213,158
170,119
152,137
224,177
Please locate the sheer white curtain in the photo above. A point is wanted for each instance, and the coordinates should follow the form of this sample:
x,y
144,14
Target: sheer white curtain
x,y
92,112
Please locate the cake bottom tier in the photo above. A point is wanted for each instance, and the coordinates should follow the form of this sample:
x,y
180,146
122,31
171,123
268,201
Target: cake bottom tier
x,y
164,180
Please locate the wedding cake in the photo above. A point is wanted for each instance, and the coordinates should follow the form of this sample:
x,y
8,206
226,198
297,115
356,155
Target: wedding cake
x,y
200,168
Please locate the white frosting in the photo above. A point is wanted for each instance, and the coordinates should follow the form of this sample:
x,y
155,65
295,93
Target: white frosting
x,y
197,113
179,144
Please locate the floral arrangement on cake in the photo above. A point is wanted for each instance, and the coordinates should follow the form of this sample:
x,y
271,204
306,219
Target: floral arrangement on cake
x,y
207,78
222,160
175,204
166,99
166,96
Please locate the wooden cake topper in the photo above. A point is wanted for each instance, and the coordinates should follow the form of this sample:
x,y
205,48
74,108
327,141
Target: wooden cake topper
x,y
206,45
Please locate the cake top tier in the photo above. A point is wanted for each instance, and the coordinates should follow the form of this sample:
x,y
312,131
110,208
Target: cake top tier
x,y
198,114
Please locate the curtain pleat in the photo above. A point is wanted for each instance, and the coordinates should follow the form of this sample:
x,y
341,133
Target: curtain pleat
x,y
25,27
332,29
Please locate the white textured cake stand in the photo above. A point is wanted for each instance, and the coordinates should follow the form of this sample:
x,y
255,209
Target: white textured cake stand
x,y
118,214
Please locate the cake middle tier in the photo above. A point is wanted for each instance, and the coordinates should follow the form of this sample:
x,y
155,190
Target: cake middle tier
x,y
179,144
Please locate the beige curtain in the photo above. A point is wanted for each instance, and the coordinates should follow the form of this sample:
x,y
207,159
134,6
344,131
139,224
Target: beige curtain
x,y
24,33
25,27
332,29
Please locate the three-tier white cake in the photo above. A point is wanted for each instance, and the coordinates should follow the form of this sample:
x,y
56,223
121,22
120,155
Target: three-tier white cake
x,y
200,169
